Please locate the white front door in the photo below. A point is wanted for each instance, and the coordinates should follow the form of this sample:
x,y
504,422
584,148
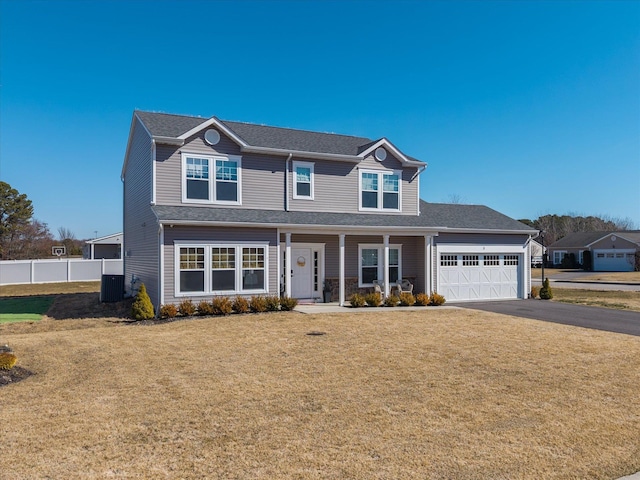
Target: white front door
x,y
302,270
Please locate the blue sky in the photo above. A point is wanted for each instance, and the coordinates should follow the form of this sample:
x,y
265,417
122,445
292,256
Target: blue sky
x,y
529,107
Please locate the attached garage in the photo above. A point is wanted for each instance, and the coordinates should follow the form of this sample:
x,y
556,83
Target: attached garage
x,y
613,260
478,276
492,267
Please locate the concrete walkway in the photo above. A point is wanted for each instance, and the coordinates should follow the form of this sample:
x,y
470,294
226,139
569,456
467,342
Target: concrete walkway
x,y
334,307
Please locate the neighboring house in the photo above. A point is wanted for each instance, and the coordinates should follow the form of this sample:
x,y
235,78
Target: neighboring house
x,y
214,207
537,253
610,251
108,247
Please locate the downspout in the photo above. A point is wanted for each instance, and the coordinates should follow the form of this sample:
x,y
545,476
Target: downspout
x,y
286,183
153,172
160,267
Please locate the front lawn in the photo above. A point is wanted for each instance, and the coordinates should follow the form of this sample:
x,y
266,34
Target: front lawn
x,y
430,394
620,300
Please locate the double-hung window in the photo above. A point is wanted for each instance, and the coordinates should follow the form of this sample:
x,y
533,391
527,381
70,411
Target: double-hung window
x,y
211,179
220,269
303,180
371,264
380,190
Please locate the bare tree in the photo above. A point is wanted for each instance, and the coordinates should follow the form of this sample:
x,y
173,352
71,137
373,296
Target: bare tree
x,y
455,198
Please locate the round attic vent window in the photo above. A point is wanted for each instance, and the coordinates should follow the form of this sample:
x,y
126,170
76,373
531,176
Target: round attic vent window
x,y
380,154
613,238
212,137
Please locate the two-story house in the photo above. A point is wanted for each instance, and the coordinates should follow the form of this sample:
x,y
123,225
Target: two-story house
x,y
214,207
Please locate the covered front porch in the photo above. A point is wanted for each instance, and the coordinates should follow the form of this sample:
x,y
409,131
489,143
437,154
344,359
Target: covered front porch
x,y
312,262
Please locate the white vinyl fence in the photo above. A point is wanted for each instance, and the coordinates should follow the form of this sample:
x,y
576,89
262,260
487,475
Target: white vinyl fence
x,y
14,272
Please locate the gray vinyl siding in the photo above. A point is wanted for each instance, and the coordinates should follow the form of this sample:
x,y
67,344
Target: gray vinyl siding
x,y
262,177
606,243
480,239
411,263
336,186
216,235
140,249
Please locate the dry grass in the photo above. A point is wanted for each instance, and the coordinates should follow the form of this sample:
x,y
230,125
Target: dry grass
x,y
422,394
620,300
48,289
626,277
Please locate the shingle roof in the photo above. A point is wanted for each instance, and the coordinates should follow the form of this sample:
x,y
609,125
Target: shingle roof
x,y
582,239
432,215
169,125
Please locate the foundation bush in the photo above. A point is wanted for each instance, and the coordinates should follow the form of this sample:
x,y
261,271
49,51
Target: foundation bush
x,y
187,308
436,299
357,300
222,306
168,311
240,305
288,303
422,299
142,308
407,299
373,299
7,360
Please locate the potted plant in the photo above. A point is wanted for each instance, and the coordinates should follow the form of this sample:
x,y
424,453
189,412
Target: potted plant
x,y
326,292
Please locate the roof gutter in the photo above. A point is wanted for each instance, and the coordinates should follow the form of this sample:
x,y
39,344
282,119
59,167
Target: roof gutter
x,y
300,153
168,140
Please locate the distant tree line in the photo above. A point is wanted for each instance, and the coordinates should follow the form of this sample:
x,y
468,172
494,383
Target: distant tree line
x,y
24,237
557,226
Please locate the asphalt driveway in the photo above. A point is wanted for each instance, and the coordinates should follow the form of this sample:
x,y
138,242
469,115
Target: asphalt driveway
x,y
609,320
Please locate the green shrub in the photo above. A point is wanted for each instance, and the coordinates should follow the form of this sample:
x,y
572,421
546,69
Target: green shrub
x,y
222,306
422,299
357,300
436,299
288,303
7,360
373,299
168,311
407,299
273,303
142,308
240,305
258,304
205,308
587,261
545,291
391,301
187,308
535,291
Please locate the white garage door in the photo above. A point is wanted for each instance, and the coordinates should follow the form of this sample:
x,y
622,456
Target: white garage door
x,y
479,276
613,260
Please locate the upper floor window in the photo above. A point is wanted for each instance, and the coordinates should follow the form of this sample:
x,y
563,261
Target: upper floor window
x,y
303,180
201,185
380,190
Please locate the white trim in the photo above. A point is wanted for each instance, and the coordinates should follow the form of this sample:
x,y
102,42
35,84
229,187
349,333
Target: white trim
x,y
314,247
287,262
126,152
311,166
238,246
380,192
480,249
161,267
383,142
342,268
216,123
301,153
212,178
153,172
383,262
565,252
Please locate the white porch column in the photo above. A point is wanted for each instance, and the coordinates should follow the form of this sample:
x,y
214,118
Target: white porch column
x,y
287,262
93,252
427,264
342,282
385,265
